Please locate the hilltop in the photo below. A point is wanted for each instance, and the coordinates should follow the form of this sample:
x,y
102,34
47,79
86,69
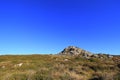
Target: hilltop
x,y
75,51
72,63
72,50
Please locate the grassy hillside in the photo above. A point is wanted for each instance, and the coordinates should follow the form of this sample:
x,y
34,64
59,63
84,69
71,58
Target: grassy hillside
x,y
56,67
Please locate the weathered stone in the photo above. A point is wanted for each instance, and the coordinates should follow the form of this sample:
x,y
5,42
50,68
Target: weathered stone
x,y
71,50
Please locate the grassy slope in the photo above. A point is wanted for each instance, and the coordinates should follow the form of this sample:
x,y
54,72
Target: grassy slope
x,y
54,67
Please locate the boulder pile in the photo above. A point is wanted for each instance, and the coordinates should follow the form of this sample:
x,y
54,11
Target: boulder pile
x,y
75,51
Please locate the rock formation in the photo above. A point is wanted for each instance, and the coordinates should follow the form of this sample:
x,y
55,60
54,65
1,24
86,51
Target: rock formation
x,y
72,50
75,51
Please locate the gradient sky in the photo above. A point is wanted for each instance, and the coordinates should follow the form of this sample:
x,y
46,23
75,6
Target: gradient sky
x,y
48,26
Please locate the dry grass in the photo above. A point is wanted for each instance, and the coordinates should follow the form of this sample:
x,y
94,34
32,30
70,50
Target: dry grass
x,y
54,67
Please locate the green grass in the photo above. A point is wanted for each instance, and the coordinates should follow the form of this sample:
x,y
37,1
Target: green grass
x,y
56,67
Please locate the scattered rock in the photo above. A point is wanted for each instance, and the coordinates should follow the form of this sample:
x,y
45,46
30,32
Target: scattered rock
x,y
109,56
3,67
66,60
19,65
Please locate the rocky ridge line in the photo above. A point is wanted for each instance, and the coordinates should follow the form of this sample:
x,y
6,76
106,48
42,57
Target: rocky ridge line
x,y
75,51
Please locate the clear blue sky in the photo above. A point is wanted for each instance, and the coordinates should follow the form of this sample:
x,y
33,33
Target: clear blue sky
x,y
48,26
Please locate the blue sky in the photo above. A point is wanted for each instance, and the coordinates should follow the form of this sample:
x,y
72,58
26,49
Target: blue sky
x,y
48,26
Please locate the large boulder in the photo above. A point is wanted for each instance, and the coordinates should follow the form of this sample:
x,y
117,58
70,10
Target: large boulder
x,y
72,50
